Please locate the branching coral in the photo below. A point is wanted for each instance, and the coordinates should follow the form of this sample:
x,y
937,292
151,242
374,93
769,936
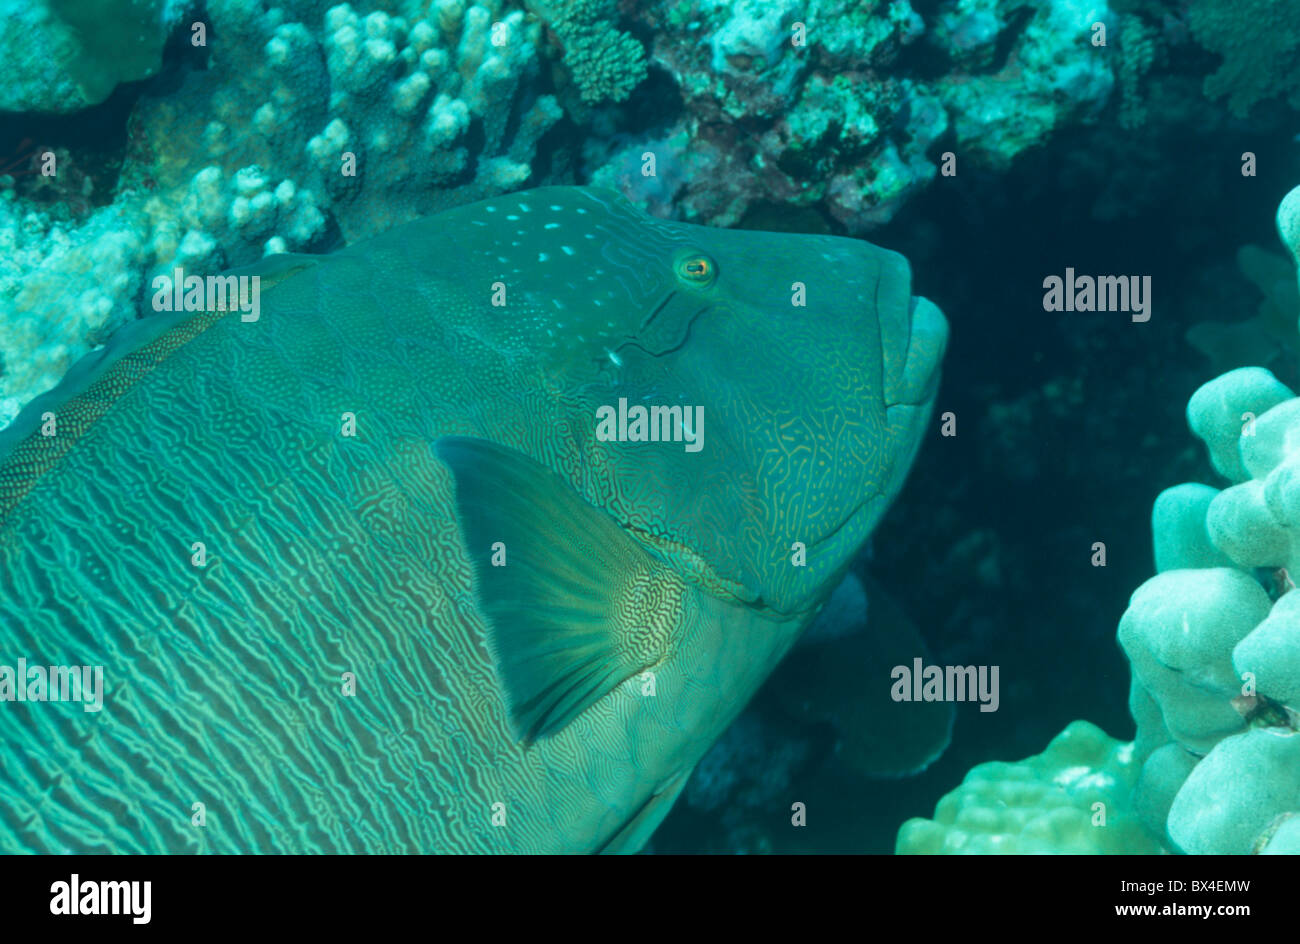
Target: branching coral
x,y
341,124
1272,331
605,63
1137,51
1259,41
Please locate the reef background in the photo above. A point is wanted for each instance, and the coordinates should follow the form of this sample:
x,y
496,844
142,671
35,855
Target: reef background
x,y
1117,159
1068,426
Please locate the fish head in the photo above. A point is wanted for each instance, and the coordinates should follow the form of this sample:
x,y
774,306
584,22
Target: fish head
x,y
803,367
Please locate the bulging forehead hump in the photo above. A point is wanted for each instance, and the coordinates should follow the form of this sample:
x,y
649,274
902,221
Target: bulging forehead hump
x,y
566,263
575,258
554,233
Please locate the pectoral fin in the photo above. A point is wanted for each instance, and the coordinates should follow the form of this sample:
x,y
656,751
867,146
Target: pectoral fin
x,y
575,605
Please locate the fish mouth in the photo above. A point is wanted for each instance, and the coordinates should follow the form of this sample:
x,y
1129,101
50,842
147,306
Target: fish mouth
x,y
912,350
912,379
912,346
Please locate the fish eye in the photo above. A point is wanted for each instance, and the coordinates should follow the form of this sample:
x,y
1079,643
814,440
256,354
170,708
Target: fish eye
x,y
697,268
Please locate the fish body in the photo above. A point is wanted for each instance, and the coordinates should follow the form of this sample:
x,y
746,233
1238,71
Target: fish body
x,y
367,573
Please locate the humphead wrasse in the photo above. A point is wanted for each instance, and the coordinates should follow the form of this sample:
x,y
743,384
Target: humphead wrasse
x,y
474,539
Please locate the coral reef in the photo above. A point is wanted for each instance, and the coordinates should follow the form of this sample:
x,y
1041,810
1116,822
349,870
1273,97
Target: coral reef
x,y
355,117
603,63
62,55
1051,76
306,124
799,105
1072,798
334,126
1212,641
1215,767
1213,647
1271,332
1259,41
383,117
303,124
1137,47
62,290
